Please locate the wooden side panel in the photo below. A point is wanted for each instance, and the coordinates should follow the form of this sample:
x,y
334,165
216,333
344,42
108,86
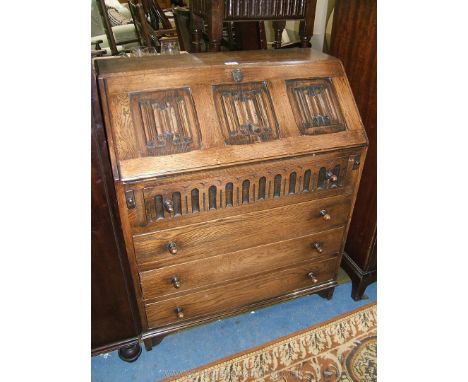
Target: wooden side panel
x,y
114,316
125,140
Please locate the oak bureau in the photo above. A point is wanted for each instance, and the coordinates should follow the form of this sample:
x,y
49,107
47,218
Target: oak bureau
x,y
236,175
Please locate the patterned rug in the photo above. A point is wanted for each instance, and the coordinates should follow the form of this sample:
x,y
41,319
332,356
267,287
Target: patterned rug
x,y
343,350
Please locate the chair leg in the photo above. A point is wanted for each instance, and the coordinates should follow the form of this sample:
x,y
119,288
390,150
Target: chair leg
x,y
278,27
307,25
215,25
197,24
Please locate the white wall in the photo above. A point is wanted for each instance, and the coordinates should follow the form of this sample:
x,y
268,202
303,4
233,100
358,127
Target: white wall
x,y
320,24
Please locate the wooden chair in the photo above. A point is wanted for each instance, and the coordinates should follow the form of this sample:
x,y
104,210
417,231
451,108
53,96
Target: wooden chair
x,y
97,51
150,22
182,21
108,29
215,13
157,18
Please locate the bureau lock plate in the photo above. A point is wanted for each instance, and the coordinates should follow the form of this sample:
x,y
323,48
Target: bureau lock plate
x,y
237,75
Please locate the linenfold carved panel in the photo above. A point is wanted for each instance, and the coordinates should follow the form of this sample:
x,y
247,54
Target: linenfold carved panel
x,y
245,113
315,106
166,121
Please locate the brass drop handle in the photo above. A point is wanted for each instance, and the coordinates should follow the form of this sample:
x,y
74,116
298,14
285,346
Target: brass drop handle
x,y
331,176
179,312
169,206
172,248
312,276
176,282
324,214
318,247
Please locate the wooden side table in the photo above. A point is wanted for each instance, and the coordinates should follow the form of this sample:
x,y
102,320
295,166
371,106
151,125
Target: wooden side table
x,y
215,13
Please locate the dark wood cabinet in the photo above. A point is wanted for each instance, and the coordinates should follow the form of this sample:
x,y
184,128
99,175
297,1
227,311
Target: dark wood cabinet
x,y
235,174
354,41
114,316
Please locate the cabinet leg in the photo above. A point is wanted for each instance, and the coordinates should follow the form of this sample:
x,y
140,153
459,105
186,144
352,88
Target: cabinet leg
x,y
358,289
130,353
360,279
306,28
328,293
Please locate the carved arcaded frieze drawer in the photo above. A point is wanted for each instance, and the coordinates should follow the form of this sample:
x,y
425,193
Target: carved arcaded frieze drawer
x,y
237,191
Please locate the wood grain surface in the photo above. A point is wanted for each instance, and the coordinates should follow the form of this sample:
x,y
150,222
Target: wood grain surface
x,y
240,293
157,283
240,232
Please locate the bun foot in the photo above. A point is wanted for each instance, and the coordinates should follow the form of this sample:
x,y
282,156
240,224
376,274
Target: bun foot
x,y
130,353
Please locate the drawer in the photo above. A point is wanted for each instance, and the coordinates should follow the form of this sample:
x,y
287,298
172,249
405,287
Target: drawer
x,y
191,199
241,232
240,293
200,273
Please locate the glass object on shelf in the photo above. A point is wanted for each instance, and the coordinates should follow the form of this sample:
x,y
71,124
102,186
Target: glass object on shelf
x,y
140,51
169,45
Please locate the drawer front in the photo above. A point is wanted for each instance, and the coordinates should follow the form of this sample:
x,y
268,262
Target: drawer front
x,y
200,273
240,293
190,199
241,232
